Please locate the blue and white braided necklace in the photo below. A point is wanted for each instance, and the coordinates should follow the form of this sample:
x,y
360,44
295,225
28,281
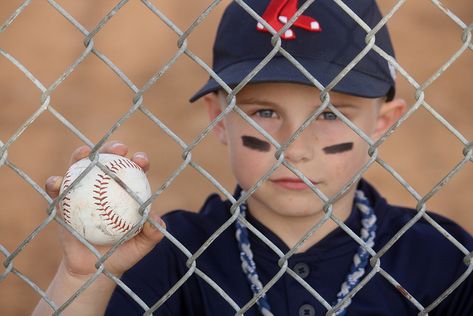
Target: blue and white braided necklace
x,y
360,259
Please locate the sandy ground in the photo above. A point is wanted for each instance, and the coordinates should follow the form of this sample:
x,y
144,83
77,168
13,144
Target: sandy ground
x,y
93,98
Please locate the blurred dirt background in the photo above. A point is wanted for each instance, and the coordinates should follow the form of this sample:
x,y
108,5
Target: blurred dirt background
x,y
93,98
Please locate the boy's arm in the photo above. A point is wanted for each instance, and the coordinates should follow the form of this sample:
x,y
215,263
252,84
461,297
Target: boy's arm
x,y
78,263
92,301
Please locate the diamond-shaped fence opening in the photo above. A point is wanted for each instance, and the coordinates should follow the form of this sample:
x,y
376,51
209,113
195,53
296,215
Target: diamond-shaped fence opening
x,y
141,77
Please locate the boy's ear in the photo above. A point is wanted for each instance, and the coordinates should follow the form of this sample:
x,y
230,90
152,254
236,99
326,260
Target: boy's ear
x,y
389,113
214,108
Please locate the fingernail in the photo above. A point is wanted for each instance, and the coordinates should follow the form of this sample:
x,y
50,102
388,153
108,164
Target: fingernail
x,y
58,182
116,144
140,155
53,181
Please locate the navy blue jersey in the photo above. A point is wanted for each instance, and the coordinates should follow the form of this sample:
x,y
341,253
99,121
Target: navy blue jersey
x,y
422,261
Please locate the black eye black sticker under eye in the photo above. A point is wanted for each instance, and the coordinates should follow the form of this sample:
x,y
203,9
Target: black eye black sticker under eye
x,y
256,143
338,148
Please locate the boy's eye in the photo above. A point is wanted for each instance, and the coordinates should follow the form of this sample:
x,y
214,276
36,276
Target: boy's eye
x,y
329,116
266,113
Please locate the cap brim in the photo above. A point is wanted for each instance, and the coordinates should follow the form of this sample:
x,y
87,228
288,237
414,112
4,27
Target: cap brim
x,y
279,69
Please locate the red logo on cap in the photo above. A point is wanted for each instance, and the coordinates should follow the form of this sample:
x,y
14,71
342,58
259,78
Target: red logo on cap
x,y
279,12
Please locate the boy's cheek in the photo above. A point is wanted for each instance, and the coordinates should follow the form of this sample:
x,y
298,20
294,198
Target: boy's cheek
x,y
248,171
348,154
326,135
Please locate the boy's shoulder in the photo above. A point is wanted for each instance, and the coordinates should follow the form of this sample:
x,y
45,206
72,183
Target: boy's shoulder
x,y
415,246
198,226
412,226
407,223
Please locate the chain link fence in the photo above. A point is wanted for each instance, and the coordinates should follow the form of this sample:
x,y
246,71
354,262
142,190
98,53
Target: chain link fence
x,y
139,106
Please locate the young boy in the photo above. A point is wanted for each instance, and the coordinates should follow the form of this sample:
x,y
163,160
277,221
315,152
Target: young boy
x,y
408,276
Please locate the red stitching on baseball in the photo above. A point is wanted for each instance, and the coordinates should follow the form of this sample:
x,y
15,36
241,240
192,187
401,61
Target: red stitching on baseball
x,y
67,178
113,167
128,164
135,165
66,212
104,209
121,163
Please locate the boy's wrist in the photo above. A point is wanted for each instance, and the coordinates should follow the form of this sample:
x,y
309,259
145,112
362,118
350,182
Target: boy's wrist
x,y
77,280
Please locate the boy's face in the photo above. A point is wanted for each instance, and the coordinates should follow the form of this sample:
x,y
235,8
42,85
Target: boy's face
x,y
327,152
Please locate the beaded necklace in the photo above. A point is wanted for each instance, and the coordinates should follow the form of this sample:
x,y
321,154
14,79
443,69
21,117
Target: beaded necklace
x,y
357,269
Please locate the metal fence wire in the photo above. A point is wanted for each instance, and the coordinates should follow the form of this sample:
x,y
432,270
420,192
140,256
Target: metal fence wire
x,y
138,105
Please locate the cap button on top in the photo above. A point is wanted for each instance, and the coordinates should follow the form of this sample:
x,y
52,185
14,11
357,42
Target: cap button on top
x,y
302,269
307,310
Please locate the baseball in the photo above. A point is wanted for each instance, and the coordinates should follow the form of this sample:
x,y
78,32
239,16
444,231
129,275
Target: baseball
x,y
97,206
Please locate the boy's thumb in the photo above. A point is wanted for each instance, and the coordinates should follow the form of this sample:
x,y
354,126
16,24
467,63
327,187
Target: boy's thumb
x,y
150,232
53,185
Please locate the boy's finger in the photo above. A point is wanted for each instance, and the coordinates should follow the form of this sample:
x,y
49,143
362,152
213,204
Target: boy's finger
x,y
79,153
52,186
150,235
141,159
114,147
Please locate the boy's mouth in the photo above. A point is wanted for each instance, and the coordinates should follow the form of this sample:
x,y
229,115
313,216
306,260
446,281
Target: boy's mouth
x,y
292,183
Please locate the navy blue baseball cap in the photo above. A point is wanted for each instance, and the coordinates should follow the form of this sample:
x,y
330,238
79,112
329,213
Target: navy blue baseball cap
x,y
325,39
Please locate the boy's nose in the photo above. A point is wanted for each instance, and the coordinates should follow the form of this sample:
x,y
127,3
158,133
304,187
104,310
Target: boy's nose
x,y
302,148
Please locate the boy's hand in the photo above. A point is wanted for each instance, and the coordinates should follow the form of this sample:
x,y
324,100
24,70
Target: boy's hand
x,y
78,260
